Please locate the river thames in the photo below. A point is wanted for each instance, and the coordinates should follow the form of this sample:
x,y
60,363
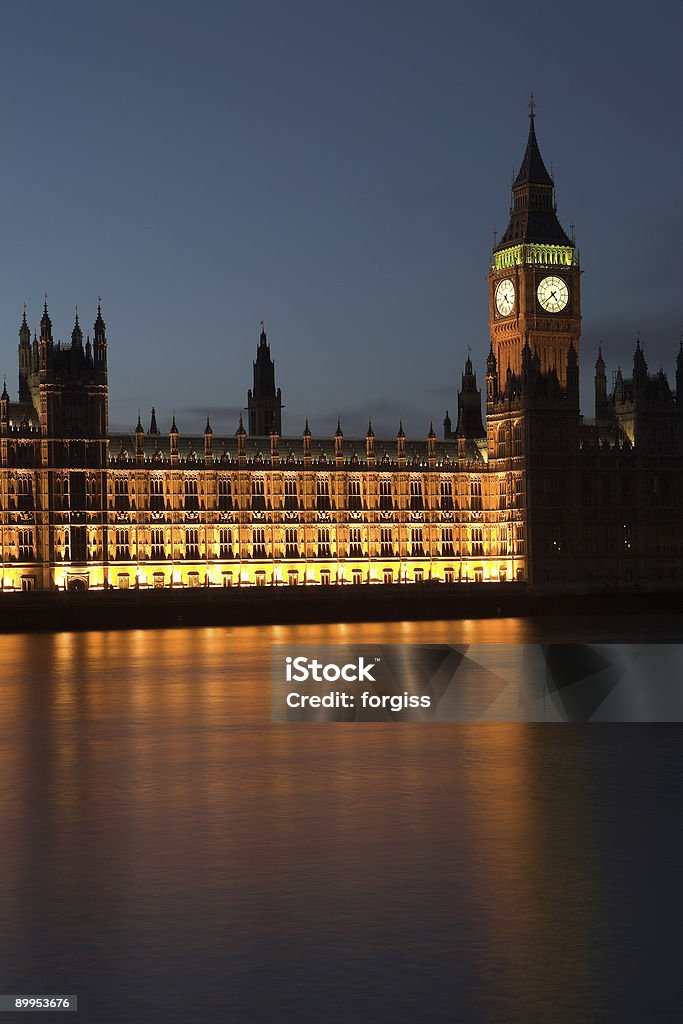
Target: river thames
x,y
167,853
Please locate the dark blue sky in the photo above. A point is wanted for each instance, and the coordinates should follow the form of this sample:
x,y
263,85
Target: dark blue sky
x,y
336,169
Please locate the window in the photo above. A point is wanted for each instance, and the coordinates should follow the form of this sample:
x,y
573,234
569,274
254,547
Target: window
x,y
323,494
446,495
475,494
227,579
419,575
28,583
123,545
62,492
325,577
386,501
158,580
503,541
291,497
449,575
191,543
291,543
416,497
477,541
447,540
386,543
416,546
502,574
26,546
224,543
224,494
156,494
157,551
293,577
355,545
191,497
193,579
355,501
323,542
356,576
258,542
518,440
519,492
258,498
520,540
123,580
502,493
260,578
121,496
388,575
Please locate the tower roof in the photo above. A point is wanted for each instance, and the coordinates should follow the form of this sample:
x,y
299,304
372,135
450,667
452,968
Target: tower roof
x,y
533,170
533,217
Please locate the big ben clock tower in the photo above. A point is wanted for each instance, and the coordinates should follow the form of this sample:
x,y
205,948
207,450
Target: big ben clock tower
x,y
534,282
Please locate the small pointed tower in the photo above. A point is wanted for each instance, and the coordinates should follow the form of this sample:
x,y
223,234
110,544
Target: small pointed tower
x,y
491,378
46,342
600,387
370,445
447,427
264,402
275,448
100,339
4,411
572,377
339,445
431,447
173,440
25,360
153,428
639,370
307,444
469,405
241,443
208,443
139,442
401,445
77,335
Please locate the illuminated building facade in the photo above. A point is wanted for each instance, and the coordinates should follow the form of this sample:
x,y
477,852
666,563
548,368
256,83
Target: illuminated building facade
x,y
537,494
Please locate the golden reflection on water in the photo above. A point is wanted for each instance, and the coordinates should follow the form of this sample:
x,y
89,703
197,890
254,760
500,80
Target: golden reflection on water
x,y
141,771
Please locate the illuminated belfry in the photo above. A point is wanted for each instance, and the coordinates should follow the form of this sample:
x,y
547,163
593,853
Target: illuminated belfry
x,y
535,493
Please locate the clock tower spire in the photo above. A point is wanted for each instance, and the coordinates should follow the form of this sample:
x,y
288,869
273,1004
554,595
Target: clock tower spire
x,y
535,276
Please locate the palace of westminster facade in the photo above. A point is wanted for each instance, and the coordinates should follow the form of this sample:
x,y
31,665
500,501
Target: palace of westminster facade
x,y
538,494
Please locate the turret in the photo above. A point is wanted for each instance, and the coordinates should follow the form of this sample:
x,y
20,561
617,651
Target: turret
x,y
491,378
370,445
241,443
431,447
600,387
639,369
573,375
139,442
264,402
25,359
447,427
339,444
469,406
100,340
173,440
4,410
307,445
401,444
153,428
208,443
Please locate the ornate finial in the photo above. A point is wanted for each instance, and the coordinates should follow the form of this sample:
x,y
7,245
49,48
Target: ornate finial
x,y
495,238
572,228
532,107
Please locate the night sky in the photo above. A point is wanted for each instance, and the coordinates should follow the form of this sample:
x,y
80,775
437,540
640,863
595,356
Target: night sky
x,y
337,170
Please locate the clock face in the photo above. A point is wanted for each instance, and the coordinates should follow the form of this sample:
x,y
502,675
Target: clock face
x,y
553,294
505,297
